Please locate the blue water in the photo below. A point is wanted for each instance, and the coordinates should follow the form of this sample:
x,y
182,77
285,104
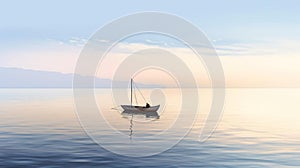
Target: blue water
x,y
40,129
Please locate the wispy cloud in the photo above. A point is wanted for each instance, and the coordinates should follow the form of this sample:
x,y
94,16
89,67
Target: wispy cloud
x,y
77,41
266,48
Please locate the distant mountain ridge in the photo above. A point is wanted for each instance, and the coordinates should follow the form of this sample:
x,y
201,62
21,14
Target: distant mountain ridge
x,y
26,78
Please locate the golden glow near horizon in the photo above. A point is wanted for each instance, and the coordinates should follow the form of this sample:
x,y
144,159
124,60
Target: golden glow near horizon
x,y
244,66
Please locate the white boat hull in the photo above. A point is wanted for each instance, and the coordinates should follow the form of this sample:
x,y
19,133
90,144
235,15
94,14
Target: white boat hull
x,y
140,109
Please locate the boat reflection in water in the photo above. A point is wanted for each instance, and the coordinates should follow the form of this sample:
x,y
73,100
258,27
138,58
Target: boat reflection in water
x,y
130,114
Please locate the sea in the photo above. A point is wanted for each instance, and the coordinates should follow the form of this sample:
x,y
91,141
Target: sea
x,y
257,127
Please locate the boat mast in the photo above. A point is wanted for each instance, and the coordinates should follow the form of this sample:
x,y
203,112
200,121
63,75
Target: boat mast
x,y
131,91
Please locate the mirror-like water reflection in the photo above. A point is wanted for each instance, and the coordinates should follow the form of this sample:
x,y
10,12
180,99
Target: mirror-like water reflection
x,y
259,128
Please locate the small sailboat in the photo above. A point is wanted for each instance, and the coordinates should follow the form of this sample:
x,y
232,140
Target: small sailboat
x,y
147,109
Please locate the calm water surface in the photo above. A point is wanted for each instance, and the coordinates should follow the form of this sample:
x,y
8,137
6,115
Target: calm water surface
x,y
259,128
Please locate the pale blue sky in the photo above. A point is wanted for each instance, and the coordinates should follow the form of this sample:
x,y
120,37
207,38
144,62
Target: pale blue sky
x,y
225,21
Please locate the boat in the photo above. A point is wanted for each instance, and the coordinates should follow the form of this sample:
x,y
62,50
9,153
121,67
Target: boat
x,y
140,108
147,109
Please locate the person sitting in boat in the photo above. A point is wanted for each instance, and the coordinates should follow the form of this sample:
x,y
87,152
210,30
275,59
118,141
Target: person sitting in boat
x,y
147,105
